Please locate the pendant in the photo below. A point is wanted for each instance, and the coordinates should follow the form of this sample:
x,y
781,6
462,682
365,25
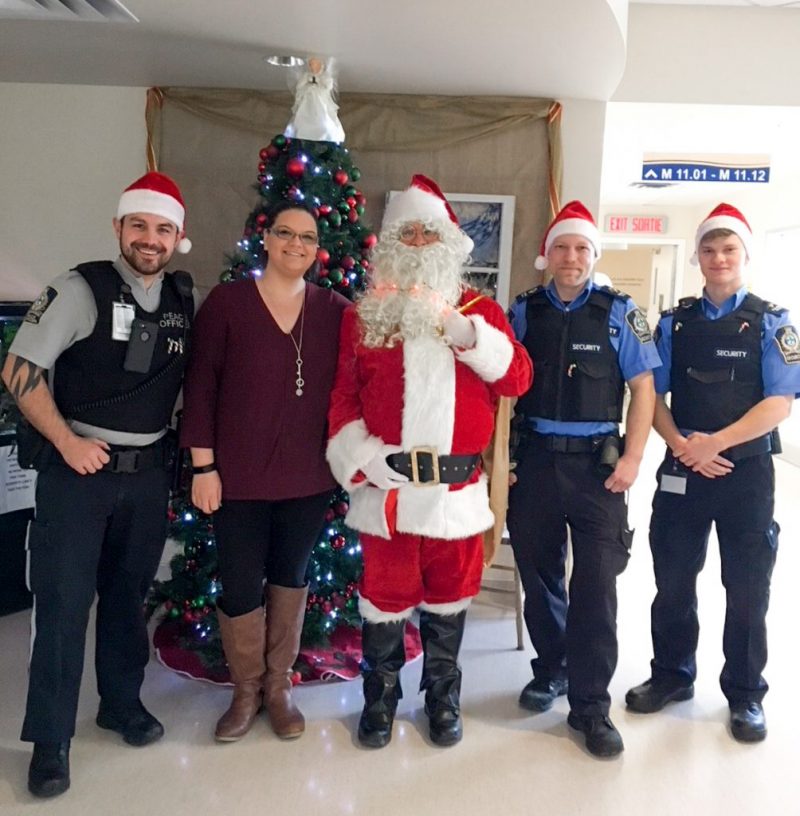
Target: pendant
x,y
299,382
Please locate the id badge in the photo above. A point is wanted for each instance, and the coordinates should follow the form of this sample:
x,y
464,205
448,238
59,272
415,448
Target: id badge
x,y
121,320
670,483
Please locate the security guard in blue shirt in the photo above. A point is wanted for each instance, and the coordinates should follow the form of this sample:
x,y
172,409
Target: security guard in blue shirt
x,y
586,342
732,364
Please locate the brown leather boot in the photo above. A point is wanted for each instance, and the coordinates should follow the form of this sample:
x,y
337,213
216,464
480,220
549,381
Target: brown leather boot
x,y
243,641
286,609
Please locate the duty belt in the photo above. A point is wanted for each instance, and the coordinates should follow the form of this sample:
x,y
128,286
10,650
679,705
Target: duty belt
x,y
133,460
755,447
424,465
571,444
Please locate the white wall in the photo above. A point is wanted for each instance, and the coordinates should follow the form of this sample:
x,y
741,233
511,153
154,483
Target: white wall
x,y
66,153
582,133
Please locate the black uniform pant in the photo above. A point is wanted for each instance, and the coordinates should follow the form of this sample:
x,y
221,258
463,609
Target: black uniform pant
x,y
100,533
741,505
575,638
265,539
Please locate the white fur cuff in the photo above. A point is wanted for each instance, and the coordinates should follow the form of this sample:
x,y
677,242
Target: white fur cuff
x,y
350,450
452,608
371,613
491,357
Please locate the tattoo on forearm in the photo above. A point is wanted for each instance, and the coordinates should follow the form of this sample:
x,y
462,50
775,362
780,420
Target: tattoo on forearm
x,y
25,377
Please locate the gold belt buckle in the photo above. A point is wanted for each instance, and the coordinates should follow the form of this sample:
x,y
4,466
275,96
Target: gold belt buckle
x,y
434,454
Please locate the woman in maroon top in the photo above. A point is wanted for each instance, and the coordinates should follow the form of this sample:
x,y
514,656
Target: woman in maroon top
x,y
255,403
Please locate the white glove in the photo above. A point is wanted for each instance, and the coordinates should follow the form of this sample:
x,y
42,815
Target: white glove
x,y
379,473
459,330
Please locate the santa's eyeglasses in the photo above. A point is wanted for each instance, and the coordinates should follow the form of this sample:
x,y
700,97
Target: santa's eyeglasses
x,y
410,231
285,234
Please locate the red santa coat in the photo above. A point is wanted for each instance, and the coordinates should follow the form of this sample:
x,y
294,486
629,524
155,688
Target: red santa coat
x,y
421,392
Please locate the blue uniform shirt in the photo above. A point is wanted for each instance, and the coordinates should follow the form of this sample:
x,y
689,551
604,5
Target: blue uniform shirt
x,y
780,363
633,355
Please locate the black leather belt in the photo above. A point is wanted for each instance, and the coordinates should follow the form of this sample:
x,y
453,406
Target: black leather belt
x,y
755,447
571,444
133,460
424,465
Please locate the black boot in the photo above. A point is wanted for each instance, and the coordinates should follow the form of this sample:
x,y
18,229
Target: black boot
x,y
48,774
384,656
441,674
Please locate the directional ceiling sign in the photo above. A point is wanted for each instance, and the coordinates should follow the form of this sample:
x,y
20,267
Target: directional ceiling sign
x,y
676,167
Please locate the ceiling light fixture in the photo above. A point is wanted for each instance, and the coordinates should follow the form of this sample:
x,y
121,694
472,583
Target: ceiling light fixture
x,y
288,61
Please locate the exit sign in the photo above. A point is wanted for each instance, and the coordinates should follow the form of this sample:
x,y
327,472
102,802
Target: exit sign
x,y
637,224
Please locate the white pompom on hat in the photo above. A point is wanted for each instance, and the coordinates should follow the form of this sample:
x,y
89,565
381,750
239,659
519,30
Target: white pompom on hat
x,y
423,201
573,219
156,194
724,216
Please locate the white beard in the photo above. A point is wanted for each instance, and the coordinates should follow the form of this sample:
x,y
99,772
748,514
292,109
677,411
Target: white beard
x,y
412,290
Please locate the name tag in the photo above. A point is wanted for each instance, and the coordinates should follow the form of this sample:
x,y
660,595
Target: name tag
x,y
673,484
122,318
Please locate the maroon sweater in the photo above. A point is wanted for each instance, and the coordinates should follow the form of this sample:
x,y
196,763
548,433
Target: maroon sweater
x,y
239,393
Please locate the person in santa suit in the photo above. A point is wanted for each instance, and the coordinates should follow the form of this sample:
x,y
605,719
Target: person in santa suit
x,y
422,363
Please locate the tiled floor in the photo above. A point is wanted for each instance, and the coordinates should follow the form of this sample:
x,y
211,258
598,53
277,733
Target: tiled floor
x,y
681,761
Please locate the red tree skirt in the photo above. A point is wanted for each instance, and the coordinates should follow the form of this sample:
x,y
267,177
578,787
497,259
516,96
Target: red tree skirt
x,y
338,661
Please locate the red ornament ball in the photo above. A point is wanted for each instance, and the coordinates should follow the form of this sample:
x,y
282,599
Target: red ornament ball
x,y
261,219
324,209
370,240
323,256
352,216
327,607
295,168
348,262
263,154
273,153
340,177
351,202
329,514
342,507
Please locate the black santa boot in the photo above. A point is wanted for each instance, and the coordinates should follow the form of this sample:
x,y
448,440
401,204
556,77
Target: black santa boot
x,y
384,655
441,674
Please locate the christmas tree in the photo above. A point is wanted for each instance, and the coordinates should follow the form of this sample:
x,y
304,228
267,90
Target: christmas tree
x,y
319,172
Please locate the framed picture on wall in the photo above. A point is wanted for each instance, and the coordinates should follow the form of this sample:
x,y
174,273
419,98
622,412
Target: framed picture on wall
x,y
489,221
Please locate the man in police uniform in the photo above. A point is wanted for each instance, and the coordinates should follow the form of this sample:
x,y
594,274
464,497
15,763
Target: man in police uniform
x,y
732,363
114,339
586,342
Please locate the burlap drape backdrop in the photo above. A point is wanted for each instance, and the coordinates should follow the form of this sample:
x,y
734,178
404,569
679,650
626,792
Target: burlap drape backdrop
x,y
208,140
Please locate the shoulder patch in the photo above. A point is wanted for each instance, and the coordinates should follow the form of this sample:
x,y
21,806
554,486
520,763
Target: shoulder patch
x,y
525,295
41,305
638,323
788,344
687,302
668,312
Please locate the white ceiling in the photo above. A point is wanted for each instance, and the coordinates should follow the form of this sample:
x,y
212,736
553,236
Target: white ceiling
x,y
572,48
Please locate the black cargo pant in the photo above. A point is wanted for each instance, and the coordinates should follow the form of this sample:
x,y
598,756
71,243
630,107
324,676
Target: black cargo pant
x,y
100,533
575,639
741,505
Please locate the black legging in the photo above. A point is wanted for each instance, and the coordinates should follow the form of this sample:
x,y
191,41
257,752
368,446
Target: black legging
x,y
258,539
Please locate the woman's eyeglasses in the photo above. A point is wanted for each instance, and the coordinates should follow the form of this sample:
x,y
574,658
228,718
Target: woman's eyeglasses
x,y
285,234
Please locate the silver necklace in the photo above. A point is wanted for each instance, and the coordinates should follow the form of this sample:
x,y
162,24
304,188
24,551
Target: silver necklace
x,y
298,347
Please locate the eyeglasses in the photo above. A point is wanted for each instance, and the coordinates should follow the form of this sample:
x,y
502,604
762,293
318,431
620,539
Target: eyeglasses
x,y
285,234
410,231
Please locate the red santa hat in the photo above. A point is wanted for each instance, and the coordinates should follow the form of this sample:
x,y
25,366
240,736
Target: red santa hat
x,y
724,216
574,219
423,201
157,194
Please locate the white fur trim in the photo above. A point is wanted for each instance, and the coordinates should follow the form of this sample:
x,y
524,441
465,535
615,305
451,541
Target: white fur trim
x,y
452,608
436,512
367,512
728,222
413,204
429,394
371,613
574,226
351,449
184,245
492,354
150,201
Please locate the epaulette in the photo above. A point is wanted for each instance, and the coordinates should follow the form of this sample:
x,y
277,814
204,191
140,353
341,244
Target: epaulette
x,y
687,302
668,312
525,295
774,309
617,293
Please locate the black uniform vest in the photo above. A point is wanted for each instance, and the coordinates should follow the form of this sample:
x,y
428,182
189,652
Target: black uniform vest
x,y
91,384
577,377
716,364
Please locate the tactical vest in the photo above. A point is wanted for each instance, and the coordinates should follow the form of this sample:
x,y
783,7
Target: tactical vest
x,y
577,377
716,364
91,384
